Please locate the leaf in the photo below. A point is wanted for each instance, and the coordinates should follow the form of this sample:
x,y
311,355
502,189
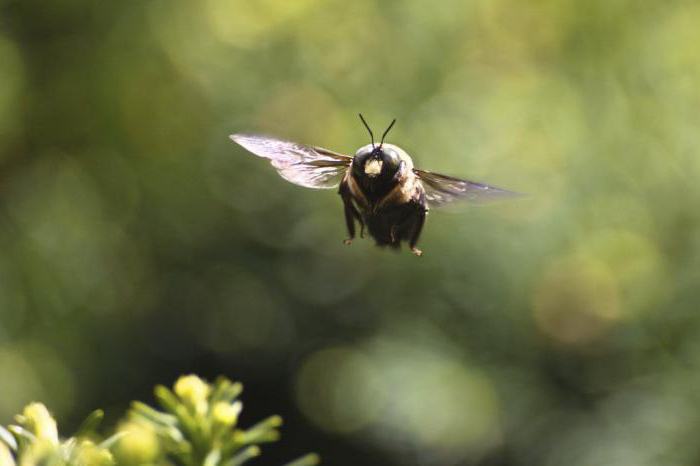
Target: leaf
x,y
112,439
225,390
23,433
243,456
167,399
8,438
6,458
153,415
91,423
170,402
312,459
212,458
264,431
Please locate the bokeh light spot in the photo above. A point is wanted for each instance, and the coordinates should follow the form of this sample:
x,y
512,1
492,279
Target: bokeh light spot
x,y
32,371
337,388
635,263
243,23
400,394
576,300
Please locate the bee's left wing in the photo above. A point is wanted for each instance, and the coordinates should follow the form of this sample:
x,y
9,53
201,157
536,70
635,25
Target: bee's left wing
x,y
443,189
311,167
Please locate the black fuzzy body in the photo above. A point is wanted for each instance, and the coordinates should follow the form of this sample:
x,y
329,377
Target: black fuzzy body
x,y
392,206
396,223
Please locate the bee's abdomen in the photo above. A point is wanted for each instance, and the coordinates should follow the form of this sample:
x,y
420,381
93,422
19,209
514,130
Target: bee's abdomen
x,y
380,229
394,224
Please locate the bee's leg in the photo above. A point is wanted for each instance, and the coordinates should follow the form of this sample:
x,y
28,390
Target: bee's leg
x,y
349,221
351,214
417,228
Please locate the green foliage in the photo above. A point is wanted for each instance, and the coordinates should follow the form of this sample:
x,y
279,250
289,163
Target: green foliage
x,y
197,426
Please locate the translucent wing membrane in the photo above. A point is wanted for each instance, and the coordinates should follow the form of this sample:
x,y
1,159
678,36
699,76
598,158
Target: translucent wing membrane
x,y
311,167
443,189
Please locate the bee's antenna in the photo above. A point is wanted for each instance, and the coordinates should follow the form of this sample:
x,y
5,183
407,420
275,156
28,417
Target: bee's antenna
x,y
387,131
369,130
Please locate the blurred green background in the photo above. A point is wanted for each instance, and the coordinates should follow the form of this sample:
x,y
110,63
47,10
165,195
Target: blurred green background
x,y
138,243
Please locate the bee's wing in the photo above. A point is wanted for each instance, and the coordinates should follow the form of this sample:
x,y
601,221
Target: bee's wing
x,y
443,189
311,167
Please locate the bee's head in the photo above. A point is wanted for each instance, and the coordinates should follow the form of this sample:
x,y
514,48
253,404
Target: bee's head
x,y
372,160
376,161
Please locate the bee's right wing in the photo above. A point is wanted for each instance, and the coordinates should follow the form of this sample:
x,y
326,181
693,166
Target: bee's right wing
x,y
443,189
311,167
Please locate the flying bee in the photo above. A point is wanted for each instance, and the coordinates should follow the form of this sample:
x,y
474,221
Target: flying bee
x,y
380,188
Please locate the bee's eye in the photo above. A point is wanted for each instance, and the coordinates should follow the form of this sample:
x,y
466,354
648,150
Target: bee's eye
x,y
391,158
361,157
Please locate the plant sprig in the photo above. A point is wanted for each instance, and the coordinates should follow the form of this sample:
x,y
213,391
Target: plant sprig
x,y
196,426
